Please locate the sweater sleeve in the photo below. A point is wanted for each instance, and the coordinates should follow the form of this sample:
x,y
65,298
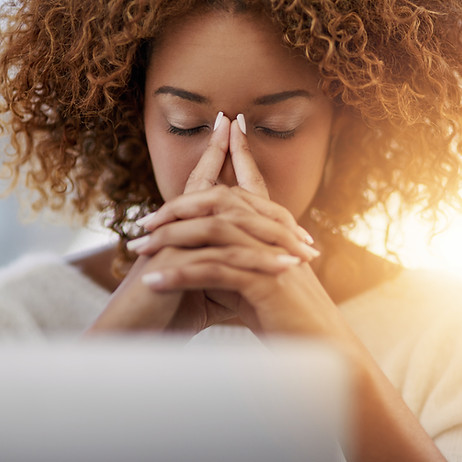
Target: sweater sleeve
x,y
413,328
42,296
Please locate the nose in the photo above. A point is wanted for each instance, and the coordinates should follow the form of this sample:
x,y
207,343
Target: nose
x,y
227,175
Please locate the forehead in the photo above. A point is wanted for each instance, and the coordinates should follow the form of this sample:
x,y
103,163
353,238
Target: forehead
x,y
219,51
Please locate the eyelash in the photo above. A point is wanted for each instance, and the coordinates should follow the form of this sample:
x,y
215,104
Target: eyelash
x,y
196,130
276,134
186,131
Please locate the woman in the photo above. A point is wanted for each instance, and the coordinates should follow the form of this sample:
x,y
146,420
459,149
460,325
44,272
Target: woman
x,y
251,122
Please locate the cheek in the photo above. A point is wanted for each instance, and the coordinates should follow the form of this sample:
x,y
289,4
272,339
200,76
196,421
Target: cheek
x,y
173,158
293,168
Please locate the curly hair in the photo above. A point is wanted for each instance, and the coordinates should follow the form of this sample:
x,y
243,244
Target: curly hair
x,y
72,82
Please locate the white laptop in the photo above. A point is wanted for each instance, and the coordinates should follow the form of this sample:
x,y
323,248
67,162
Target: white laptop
x,y
126,400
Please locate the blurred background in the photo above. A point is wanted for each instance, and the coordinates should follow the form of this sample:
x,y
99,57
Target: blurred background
x,y
46,233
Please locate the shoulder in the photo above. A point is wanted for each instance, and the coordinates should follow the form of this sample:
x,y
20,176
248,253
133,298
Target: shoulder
x,y
411,295
412,325
416,307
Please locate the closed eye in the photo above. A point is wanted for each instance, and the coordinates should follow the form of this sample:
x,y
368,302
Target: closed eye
x,y
186,131
275,133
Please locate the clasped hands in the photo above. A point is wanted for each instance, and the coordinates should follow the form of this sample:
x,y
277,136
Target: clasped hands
x,y
218,252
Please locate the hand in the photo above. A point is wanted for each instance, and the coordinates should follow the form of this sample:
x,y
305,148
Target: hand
x,y
133,306
231,233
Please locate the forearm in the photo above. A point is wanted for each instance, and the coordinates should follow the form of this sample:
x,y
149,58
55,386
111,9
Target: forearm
x,y
133,307
385,428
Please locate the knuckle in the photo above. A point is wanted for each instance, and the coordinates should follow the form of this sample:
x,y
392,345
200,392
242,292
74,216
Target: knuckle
x,y
215,226
258,180
233,254
165,254
179,275
221,192
213,272
221,145
196,180
193,176
282,237
254,180
159,237
283,215
245,148
236,190
238,216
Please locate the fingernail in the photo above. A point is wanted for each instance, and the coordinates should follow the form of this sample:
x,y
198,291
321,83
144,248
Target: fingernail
x,y
146,219
310,252
151,279
137,244
218,120
289,259
241,122
306,236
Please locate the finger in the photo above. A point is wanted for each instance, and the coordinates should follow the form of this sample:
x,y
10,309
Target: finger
x,y
197,204
208,168
211,276
278,227
246,258
292,301
275,212
197,232
222,200
230,228
247,174
273,233
200,275
214,313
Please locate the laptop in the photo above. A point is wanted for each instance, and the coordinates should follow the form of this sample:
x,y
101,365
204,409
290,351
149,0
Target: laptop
x,y
126,399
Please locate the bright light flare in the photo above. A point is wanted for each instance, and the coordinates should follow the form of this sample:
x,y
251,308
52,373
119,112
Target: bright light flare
x,y
412,241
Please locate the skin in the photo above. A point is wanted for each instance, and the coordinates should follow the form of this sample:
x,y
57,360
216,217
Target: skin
x,y
229,77
234,204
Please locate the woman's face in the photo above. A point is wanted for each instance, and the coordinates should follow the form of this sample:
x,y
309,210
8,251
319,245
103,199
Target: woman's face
x,y
236,64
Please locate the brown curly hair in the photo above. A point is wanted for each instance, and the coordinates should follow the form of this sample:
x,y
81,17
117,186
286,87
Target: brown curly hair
x,y
72,82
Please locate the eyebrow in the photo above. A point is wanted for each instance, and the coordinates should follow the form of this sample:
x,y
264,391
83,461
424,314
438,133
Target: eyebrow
x,y
187,95
282,96
265,100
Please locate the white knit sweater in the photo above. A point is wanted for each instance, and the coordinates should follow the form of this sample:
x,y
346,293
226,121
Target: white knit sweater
x,y
412,325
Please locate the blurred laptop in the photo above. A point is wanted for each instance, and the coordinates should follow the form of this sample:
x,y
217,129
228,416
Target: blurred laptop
x,y
160,400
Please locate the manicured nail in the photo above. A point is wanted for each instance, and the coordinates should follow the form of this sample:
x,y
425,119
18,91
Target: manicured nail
x,y
241,122
289,259
218,120
146,219
137,244
310,252
306,236
152,279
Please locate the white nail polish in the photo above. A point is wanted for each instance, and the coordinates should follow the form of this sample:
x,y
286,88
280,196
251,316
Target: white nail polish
x,y
289,259
241,122
311,251
218,120
136,244
146,219
152,278
306,236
